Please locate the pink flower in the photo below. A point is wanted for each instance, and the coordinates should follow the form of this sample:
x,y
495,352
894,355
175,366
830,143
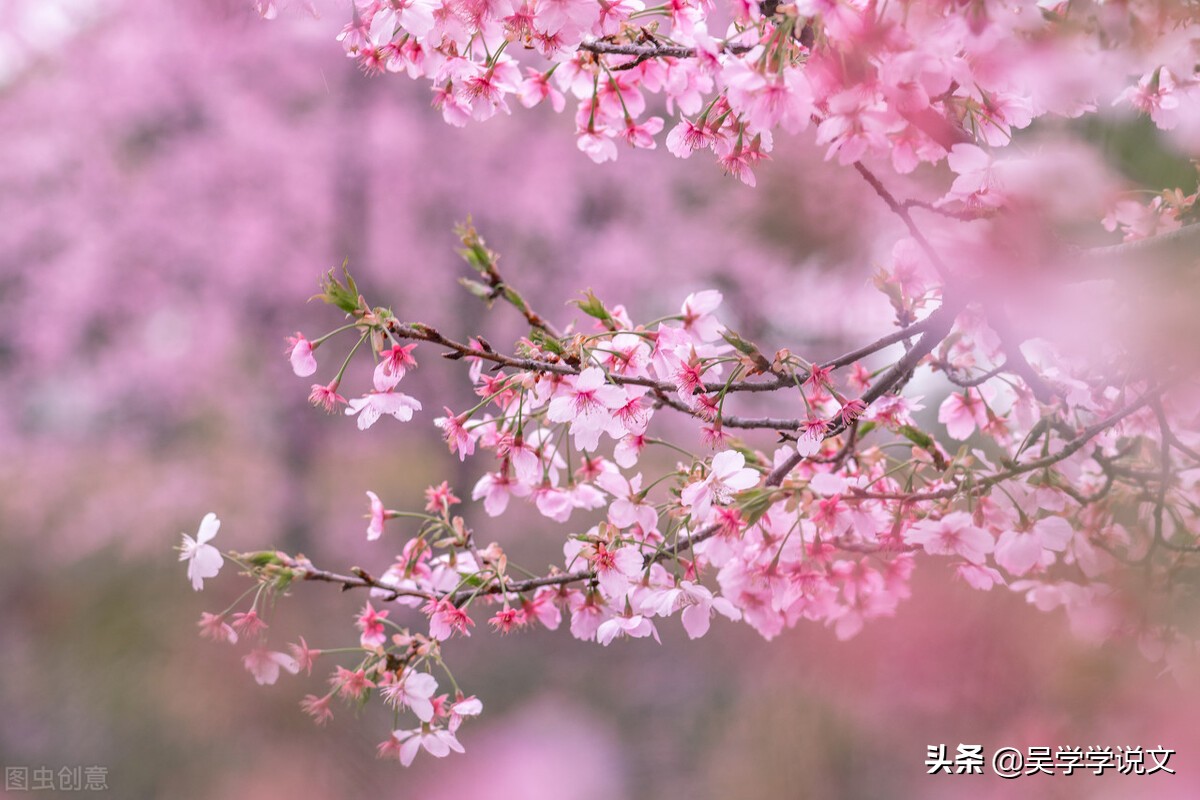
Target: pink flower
x,y
687,137
304,655
543,608
351,684
465,707
204,560
1156,94
628,507
698,319
617,568
300,353
414,691
370,622
596,146
979,576
978,182
374,404
506,619
495,488
961,413
436,741
586,615
446,619
1019,551
537,87
326,397
392,366
811,437
697,602
728,474
586,402
642,135
377,516
317,707
456,435
953,534
213,626
265,664
635,626
629,449
249,623
439,498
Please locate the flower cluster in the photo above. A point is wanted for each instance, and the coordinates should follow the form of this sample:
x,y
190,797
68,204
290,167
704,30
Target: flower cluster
x,y
900,81
1066,473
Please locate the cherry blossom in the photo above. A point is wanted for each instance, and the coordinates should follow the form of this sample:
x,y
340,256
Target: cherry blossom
x,y
728,474
204,560
374,404
438,742
300,352
1020,550
953,534
1059,458
412,691
265,664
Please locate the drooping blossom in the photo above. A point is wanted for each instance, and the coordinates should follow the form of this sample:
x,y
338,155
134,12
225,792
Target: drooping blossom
x,y
265,664
300,354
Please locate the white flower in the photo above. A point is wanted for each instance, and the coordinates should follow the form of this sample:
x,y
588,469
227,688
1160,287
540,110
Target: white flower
x,y
436,741
414,691
204,560
372,405
729,474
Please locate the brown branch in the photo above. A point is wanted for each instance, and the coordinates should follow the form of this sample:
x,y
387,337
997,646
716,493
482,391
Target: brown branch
x,y
1067,450
424,333
938,325
655,49
900,211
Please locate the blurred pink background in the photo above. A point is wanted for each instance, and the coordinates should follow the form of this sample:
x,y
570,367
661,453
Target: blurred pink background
x,y
174,177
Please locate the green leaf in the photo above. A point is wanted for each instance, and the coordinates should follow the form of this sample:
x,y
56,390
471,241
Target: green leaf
x,y
540,338
476,288
592,306
917,437
335,293
754,503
